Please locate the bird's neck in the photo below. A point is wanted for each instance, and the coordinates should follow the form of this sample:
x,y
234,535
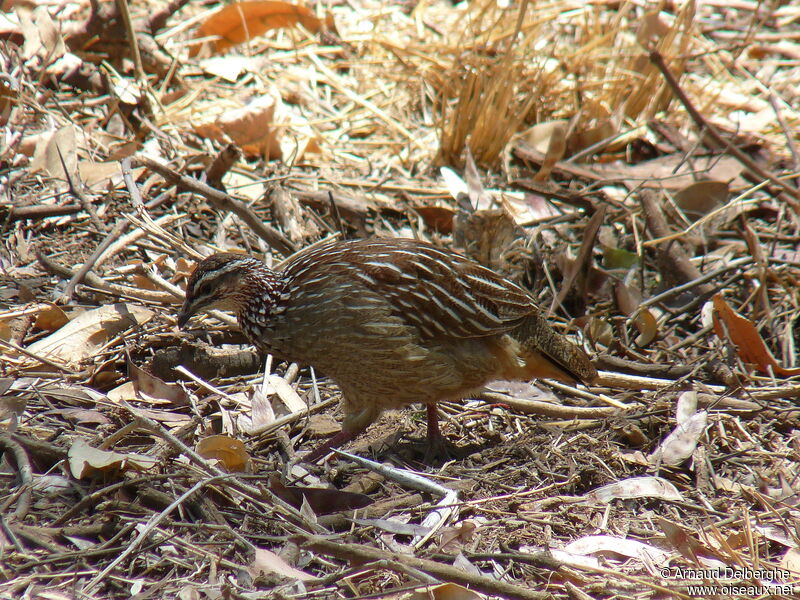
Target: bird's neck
x,y
256,298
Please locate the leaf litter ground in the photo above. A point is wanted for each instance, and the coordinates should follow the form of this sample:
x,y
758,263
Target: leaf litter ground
x,y
636,169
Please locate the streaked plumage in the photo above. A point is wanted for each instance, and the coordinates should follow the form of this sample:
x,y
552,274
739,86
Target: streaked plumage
x,y
392,321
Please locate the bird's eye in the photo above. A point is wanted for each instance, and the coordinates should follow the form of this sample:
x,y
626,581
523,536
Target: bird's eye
x,y
204,290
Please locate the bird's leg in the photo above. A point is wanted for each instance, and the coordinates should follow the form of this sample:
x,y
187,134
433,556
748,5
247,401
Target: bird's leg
x,y
434,433
438,447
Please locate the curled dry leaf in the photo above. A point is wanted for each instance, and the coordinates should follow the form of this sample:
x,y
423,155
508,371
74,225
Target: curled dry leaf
x,y
438,218
635,487
730,325
251,127
85,461
687,406
610,544
556,147
287,394
454,538
680,444
241,21
268,563
51,318
261,413
229,451
685,543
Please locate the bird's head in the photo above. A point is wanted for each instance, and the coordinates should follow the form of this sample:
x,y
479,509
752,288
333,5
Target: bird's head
x,y
223,281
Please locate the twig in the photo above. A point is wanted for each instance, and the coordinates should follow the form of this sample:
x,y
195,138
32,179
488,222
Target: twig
x,y
548,409
111,288
788,134
35,356
400,563
38,211
152,524
87,266
223,202
335,81
704,125
675,263
74,189
25,471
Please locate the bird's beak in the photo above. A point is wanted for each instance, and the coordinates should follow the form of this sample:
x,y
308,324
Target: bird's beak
x,y
183,316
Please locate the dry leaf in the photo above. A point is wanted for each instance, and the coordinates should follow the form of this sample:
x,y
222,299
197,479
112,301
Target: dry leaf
x,y
628,302
556,148
51,318
287,394
322,425
253,127
261,411
152,386
635,487
85,461
229,451
42,35
687,406
241,21
394,526
83,415
698,199
320,501
438,218
791,561
445,591
609,544
454,538
84,335
52,149
731,326
539,137
685,543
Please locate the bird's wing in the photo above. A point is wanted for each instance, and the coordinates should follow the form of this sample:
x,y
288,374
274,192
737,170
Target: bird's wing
x,y
439,292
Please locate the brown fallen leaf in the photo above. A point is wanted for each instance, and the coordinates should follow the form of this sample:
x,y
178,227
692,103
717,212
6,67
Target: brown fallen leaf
x,y
242,21
701,197
750,346
628,302
229,451
322,501
146,383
